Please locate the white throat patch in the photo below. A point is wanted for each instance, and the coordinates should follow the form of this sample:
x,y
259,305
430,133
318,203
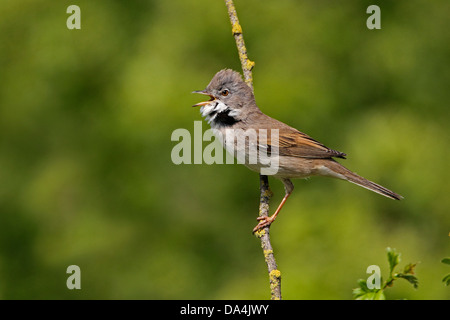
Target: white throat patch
x,y
210,111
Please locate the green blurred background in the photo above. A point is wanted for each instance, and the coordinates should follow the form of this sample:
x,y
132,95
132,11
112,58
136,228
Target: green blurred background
x,y
86,177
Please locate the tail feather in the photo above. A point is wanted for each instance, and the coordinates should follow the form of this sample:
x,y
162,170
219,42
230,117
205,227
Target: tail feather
x,y
360,181
363,182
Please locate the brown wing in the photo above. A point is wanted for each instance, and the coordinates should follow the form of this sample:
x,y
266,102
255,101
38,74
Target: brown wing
x,y
297,144
291,142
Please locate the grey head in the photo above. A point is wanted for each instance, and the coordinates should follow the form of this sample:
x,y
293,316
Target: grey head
x,y
230,99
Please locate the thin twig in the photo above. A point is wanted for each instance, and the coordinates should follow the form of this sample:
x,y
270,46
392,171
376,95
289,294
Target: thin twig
x,y
247,64
263,235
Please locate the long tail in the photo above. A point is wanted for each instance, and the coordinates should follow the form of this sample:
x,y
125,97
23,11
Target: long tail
x,y
346,174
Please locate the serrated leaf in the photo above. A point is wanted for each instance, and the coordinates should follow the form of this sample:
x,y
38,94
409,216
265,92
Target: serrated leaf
x,y
364,293
358,293
410,278
363,285
446,280
393,258
376,294
362,290
446,260
380,295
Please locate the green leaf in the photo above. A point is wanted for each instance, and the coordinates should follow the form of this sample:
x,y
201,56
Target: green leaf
x,y
361,291
393,258
380,295
446,280
364,293
410,278
358,294
377,294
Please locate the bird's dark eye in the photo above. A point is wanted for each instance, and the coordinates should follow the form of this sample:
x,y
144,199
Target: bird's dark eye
x,y
224,92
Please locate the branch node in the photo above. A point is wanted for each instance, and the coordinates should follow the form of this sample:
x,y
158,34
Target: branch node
x,y
250,64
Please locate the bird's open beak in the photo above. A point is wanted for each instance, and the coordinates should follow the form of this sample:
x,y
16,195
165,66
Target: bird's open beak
x,y
204,103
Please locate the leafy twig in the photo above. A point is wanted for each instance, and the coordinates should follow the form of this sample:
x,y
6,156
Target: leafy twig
x,y
366,293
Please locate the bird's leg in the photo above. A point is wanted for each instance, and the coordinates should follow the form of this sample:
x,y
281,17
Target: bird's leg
x,y
267,221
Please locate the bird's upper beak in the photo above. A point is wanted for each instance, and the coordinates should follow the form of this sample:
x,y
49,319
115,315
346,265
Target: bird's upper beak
x,y
204,103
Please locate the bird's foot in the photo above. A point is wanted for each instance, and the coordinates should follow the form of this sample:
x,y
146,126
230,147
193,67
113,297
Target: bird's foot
x,y
263,222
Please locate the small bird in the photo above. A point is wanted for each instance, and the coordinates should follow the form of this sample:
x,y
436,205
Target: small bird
x,y
232,106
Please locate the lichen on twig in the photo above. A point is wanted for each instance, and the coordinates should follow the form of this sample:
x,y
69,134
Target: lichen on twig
x,y
263,234
236,29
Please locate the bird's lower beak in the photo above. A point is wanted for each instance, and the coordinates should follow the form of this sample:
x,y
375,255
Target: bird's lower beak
x,y
204,103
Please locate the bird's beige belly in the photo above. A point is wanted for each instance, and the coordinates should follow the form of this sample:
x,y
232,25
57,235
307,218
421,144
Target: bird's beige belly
x,y
295,167
288,167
